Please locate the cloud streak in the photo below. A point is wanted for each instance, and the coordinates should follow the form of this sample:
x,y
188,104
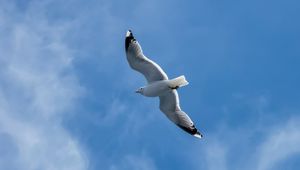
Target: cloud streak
x,y
258,146
281,143
37,90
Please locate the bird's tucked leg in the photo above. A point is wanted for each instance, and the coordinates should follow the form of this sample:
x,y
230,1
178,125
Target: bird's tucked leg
x,y
174,88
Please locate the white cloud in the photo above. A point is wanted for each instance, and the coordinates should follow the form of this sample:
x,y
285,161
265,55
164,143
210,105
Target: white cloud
x,y
216,153
134,162
258,145
236,148
281,143
37,90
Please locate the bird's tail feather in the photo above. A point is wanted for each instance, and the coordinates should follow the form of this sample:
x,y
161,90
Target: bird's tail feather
x,y
178,82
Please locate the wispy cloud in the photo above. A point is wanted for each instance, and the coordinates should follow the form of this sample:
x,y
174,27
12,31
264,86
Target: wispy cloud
x,y
281,143
37,90
257,145
134,162
215,155
274,147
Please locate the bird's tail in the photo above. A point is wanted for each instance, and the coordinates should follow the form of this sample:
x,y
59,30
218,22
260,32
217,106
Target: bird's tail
x,y
178,82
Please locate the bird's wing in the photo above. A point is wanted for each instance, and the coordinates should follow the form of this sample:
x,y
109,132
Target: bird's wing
x,y
139,62
169,105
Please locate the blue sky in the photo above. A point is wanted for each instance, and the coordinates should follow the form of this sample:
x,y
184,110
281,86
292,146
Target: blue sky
x,y
67,96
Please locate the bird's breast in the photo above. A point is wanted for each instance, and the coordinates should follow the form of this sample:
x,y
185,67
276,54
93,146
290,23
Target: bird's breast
x,y
156,89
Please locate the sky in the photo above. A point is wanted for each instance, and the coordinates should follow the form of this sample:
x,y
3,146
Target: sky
x,y
67,97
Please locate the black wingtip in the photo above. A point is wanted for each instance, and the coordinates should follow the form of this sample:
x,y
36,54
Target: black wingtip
x,y
192,130
129,37
129,33
198,135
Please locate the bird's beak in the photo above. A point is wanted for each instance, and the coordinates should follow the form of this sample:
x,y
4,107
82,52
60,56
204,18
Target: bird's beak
x,y
138,91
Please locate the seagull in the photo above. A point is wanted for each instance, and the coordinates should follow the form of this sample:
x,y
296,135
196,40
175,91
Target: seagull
x,y
159,85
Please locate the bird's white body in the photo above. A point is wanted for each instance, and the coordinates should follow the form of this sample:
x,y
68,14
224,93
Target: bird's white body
x,y
158,88
159,85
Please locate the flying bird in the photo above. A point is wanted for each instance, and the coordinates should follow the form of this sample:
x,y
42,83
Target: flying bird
x,y
159,85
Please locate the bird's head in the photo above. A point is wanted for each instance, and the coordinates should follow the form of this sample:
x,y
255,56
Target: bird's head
x,y
140,90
